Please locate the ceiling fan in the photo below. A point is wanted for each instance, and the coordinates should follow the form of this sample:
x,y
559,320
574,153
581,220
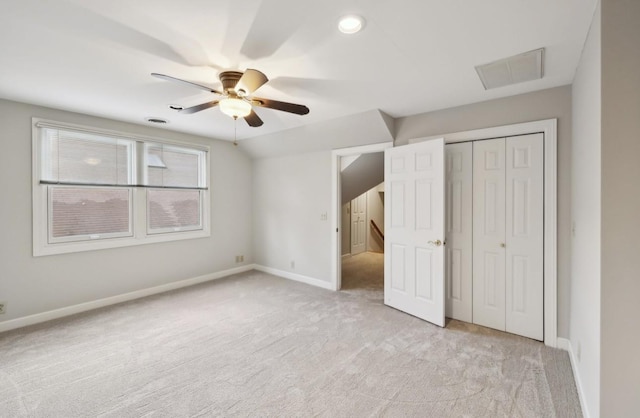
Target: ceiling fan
x,y
237,98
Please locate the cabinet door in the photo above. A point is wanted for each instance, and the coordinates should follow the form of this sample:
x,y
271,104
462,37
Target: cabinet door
x,y
525,236
489,176
459,234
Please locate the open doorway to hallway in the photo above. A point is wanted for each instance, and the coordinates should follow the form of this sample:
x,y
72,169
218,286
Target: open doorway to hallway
x,y
362,227
357,171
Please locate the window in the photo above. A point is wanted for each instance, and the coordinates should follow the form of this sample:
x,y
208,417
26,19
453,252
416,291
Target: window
x,y
81,213
97,189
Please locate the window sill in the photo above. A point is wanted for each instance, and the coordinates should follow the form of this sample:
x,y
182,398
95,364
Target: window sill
x,y
80,246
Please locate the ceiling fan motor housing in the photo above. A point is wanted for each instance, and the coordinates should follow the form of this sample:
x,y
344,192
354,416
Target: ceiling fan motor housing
x,y
229,80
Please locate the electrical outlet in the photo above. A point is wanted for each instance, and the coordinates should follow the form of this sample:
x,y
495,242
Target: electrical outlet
x,y
3,307
293,264
242,258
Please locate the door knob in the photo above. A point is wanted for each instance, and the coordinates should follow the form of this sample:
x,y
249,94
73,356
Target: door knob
x,y
437,243
503,245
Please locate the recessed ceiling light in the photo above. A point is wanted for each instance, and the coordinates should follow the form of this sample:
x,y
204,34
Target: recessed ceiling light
x,y
175,107
351,24
156,120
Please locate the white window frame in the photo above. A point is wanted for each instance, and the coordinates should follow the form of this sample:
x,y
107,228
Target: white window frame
x,y
141,235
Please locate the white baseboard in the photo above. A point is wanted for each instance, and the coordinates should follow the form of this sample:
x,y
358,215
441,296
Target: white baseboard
x,y
565,344
112,300
294,276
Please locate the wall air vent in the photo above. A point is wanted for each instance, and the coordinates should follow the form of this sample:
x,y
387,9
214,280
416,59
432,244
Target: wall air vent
x,y
512,70
156,120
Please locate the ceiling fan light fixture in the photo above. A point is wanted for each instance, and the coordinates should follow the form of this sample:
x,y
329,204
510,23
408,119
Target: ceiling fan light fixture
x,y
351,24
236,108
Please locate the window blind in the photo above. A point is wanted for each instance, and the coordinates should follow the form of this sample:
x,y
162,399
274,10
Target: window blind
x,y
94,212
174,209
173,166
70,157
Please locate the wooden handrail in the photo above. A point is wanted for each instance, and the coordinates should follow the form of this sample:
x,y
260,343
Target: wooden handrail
x,y
375,227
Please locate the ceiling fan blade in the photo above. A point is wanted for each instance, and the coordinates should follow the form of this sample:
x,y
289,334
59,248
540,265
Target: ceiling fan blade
x,y
169,78
199,107
284,106
250,81
253,119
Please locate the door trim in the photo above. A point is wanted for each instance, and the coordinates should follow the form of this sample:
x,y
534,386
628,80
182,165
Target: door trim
x,y
549,128
336,192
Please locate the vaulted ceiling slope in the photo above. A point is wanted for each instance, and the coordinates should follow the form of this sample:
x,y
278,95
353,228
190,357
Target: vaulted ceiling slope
x,y
412,56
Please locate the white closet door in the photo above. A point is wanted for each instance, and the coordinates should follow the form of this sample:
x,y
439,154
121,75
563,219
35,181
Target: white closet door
x,y
414,230
489,233
524,232
459,224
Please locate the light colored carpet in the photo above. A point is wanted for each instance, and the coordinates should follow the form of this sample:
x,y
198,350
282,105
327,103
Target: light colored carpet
x,y
257,345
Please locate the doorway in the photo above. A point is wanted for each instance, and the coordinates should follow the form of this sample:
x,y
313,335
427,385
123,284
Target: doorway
x,y
362,237
366,266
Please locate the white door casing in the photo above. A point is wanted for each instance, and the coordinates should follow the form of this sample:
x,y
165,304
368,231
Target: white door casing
x,y
414,230
489,176
525,236
359,224
459,224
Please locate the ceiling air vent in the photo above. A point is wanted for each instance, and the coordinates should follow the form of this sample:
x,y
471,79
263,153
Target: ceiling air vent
x,y
512,70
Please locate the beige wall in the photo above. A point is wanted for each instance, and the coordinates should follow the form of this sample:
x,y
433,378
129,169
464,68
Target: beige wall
x,y
620,365
375,212
545,104
31,285
584,333
345,231
290,195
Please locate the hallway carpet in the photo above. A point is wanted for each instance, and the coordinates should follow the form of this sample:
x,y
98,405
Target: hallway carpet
x,y
258,345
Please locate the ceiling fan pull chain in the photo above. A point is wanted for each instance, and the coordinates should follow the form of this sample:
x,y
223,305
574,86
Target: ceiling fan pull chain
x,y
235,131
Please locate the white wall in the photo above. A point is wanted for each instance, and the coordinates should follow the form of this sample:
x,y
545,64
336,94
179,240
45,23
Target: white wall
x,y
290,195
345,230
34,285
375,212
620,303
584,330
365,172
544,104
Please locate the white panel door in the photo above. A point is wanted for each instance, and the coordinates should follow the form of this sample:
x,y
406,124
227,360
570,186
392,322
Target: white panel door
x,y
525,236
414,230
489,176
358,224
459,225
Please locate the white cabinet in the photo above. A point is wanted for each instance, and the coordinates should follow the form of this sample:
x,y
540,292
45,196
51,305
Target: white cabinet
x,y
495,226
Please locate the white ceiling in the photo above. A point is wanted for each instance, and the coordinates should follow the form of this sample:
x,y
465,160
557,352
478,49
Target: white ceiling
x,y
413,56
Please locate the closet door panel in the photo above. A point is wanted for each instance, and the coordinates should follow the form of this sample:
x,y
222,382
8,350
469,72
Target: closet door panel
x,y
459,237
524,235
489,176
